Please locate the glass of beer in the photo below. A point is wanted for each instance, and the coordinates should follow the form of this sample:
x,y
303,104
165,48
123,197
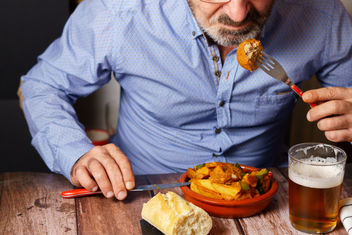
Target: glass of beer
x,y
316,172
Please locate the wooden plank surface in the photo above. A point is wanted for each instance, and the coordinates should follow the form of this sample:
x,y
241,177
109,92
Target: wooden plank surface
x,y
30,203
99,215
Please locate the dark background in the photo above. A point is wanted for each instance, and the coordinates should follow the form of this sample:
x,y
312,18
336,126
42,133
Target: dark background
x,y
27,27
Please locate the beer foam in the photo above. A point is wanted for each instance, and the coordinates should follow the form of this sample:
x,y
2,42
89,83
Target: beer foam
x,y
319,160
324,147
316,176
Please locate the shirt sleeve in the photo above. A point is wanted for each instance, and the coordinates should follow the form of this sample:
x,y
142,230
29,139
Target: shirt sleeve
x,y
337,69
75,65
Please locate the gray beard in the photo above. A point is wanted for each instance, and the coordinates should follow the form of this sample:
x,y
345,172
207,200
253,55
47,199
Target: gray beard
x,y
226,37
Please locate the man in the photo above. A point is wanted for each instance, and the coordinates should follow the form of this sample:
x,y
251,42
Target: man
x,y
184,98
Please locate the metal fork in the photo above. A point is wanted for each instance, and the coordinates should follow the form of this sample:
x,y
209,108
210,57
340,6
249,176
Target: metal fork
x,y
273,68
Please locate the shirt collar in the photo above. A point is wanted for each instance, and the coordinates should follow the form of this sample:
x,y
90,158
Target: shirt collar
x,y
197,32
194,29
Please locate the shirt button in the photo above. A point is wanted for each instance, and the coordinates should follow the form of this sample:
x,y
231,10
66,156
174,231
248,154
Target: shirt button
x,y
217,73
217,130
222,103
193,33
215,58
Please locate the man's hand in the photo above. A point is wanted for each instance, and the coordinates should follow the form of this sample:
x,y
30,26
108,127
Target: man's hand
x,y
333,112
105,167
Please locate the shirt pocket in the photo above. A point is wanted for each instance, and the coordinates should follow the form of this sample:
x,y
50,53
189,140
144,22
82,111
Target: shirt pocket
x,y
270,108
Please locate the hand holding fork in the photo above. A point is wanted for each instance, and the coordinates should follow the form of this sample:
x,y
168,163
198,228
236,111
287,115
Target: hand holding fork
x,y
334,114
273,68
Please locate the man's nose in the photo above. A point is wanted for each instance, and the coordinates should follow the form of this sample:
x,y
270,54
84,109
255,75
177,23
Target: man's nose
x,y
237,10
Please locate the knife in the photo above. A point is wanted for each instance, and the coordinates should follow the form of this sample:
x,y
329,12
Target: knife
x,y
81,192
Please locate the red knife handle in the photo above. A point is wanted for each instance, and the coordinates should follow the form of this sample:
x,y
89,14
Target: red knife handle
x,y
78,193
300,93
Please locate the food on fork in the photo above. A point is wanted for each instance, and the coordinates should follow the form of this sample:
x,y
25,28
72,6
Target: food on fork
x,y
171,214
248,53
228,181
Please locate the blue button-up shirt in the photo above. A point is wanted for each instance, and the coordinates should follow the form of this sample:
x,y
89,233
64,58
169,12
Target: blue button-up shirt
x,y
180,105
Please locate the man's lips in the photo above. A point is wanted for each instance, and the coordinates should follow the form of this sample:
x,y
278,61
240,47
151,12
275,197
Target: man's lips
x,y
237,27
228,22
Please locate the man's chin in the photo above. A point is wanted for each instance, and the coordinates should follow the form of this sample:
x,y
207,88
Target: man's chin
x,y
229,42
228,39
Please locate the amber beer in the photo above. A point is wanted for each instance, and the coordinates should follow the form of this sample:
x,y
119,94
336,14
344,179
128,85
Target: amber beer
x,y
315,174
313,202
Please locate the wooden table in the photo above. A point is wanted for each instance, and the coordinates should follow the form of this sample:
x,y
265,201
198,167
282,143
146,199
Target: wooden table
x,y
30,203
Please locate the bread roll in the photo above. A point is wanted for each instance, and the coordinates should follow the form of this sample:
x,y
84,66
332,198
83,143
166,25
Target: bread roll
x,y
171,214
248,53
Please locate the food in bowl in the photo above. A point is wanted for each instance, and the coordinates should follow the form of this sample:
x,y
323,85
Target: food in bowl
x,y
248,54
231,208
228,181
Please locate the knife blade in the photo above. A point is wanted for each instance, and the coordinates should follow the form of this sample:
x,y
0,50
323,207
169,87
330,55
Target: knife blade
x,y
81,192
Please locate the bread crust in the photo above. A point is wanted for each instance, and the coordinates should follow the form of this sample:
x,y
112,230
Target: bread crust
x,y
172,215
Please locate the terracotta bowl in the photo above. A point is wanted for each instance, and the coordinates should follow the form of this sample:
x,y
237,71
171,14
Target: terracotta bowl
x,y
230,208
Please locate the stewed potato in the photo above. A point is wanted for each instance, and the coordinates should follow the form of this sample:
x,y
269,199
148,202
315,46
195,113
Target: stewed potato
x,y
228,181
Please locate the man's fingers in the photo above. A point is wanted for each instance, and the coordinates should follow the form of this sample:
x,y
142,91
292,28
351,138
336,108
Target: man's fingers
x,y
98,172
326,94
339,135
115,176
334,107
334,112
124,165
85,179
105,167
335,123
